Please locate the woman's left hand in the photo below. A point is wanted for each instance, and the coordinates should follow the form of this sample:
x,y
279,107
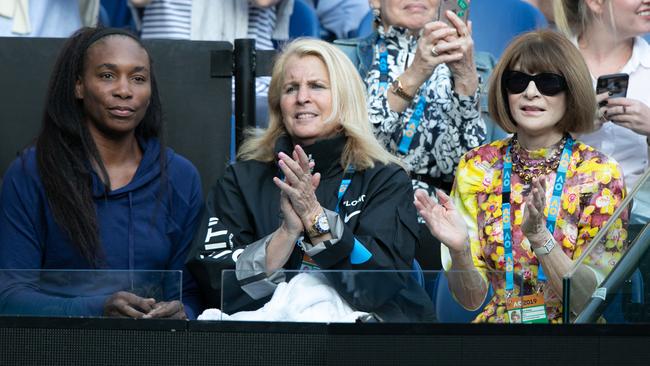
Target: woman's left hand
x,y
629,113
463,70
534,223
299,184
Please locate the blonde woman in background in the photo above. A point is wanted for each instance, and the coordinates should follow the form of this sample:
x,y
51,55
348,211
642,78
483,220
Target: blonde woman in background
x,y
608,35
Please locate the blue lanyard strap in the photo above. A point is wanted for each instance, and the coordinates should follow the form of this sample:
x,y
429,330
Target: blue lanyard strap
x,y
418,112
345,183
412,125
383,65
554,208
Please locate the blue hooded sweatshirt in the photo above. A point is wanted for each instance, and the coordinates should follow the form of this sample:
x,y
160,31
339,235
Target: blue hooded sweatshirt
x,y
141,228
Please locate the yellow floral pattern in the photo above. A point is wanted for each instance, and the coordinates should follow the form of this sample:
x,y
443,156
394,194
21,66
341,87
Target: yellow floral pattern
x,y
593,190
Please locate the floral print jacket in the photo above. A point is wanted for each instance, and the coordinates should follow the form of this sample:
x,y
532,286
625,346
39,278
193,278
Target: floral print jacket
x,y
451,123
594,188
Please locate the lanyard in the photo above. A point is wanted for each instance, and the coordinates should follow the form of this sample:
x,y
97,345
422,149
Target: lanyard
x,y
554,208
345,183
418,112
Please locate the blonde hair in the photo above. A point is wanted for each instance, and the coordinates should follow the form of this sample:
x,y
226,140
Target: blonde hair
x,y
573,17
545,51
348,109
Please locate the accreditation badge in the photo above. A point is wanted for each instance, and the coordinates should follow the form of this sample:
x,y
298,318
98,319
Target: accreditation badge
x,y
308,264
529,309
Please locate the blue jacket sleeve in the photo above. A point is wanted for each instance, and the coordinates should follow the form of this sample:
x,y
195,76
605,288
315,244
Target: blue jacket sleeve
x,y
23,226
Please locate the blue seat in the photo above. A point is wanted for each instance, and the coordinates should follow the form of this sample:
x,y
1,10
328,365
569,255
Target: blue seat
x,y
496,23
365,27
447,309
304,21
417,273
633,293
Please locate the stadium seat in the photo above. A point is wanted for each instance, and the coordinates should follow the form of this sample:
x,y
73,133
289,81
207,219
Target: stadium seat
x,y
447,309
365,27
304,21
622,308
496,23
417,273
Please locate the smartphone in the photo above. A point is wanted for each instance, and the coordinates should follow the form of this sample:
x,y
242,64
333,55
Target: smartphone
x,y
459,7
615,84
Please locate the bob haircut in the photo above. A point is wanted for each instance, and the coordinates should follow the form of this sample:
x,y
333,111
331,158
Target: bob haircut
x,y
348,109
545,51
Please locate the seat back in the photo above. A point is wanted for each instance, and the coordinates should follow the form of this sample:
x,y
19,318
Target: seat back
x,y
496,23
448,310
365,27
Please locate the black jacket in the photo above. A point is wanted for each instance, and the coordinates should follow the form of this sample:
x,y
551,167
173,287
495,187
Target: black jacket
x,y
377,211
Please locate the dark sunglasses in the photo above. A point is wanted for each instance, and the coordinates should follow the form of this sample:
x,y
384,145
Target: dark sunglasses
x,y
547,83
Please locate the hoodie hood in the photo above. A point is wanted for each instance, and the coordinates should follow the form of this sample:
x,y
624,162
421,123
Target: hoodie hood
x,y
148,171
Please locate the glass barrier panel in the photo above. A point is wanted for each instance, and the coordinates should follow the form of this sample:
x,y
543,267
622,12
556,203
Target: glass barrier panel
x,y
86,293
605,284
363,296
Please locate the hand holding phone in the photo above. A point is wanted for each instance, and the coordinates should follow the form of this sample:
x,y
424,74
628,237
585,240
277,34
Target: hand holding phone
x,y
615,84
458,7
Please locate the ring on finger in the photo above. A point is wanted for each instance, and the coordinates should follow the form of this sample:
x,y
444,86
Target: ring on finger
x,y
623,110
434,51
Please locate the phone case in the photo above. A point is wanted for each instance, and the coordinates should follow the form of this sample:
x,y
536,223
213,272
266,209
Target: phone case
x,y
616,84
459,7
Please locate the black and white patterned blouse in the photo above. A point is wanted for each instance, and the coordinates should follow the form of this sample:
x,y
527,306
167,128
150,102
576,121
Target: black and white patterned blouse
x,y
451,123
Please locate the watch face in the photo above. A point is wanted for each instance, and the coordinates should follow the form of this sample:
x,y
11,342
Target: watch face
x,y
322,225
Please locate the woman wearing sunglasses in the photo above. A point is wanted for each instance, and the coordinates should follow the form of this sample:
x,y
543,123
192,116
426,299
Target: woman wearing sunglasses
x,y
521,234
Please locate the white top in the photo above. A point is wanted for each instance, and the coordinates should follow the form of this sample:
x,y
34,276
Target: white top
x,y
627,147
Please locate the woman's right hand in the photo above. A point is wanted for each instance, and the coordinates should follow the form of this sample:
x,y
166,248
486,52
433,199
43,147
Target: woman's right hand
x,y
443,220
425,61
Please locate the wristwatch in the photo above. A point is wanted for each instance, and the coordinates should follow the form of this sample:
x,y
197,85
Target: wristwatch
x,y
546,248
319,226
398,90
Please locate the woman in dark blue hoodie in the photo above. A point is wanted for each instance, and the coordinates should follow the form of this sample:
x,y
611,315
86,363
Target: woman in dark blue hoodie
x,y
99,203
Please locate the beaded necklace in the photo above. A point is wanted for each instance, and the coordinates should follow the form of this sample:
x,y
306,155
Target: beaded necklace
x,y
527,168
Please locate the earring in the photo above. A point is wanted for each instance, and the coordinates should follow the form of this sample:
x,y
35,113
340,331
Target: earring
x,y
377,14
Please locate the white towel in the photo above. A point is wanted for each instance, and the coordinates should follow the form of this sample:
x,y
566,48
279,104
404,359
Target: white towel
x,y
308,297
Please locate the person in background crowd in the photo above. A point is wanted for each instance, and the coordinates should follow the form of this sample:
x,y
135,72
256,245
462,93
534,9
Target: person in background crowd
x,y
315,189
265,21
424,105
46,18
540,91
340,17
423,93
608,35
99,191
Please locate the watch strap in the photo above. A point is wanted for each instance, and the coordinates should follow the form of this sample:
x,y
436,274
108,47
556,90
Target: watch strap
x,y
315,230
399,91
546,248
